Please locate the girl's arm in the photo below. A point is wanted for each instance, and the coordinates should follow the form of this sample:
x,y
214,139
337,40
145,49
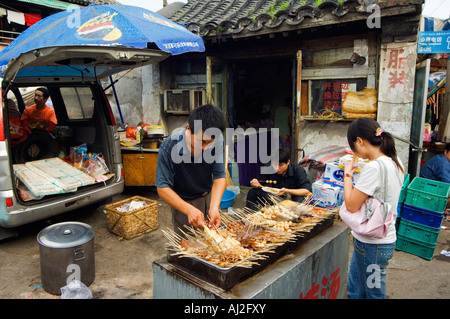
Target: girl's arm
x,y
353,198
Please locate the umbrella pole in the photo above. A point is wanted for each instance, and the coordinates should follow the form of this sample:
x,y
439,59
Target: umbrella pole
x,y
115,96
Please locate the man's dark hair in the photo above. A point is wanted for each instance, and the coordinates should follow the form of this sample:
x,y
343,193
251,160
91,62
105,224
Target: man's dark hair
x,y
211,117
284,156
44,91
447,147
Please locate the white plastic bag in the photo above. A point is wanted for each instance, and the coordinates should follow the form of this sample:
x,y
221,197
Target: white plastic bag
x,y
75,290
234,189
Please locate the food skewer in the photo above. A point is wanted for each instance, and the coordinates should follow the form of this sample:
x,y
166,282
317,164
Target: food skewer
x,y
248,235
268,181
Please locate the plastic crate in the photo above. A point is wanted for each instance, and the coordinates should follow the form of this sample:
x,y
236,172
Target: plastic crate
x,y
415,247
402,196
399,209
428,194
397,223
422,216
418,232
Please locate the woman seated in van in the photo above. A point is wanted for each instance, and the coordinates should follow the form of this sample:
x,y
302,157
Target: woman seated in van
x,y
17,131
40,116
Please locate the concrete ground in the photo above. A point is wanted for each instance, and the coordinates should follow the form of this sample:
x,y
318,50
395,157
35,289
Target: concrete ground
x,y
124,267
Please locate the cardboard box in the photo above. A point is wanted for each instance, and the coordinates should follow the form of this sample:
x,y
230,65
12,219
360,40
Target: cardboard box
x,y
334,175
327,195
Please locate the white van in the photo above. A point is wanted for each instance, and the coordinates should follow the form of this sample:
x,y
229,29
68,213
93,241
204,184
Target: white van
x,y
72,75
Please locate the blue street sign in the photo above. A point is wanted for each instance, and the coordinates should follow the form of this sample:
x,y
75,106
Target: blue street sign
x,y
434,42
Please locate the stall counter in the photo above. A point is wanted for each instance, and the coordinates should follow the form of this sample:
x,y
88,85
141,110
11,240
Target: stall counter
x,y
316,269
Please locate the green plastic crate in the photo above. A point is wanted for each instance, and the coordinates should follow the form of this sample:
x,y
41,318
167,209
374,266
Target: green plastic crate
x,y
418,232
402,196
428,194
415,247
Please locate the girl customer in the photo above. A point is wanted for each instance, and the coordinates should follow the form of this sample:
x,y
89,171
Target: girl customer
x,y
367,269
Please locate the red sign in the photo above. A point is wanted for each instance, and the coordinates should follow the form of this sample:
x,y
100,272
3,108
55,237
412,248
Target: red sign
x,y
328,288
397,64
334,93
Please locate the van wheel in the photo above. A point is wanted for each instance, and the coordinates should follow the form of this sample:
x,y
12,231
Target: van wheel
x,y
39,145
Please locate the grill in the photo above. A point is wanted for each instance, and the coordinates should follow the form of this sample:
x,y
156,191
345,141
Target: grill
x,y
227,278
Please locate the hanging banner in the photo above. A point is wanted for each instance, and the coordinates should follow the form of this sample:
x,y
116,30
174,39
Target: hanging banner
x,y
434,42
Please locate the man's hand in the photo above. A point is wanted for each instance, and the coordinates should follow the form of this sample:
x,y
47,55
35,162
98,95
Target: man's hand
x,y
255,183
282,191
214,218
196,218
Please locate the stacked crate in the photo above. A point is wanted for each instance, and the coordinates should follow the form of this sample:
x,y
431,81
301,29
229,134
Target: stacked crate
x,y
421,216
402,197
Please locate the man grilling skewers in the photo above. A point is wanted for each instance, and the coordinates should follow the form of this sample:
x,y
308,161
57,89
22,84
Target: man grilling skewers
x,y
190,174
290,178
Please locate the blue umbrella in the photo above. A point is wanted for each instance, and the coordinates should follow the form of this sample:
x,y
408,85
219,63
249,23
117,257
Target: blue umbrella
x,y
105,25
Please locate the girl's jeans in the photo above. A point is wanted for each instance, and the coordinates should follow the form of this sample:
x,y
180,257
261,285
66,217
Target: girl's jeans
x,y
367,270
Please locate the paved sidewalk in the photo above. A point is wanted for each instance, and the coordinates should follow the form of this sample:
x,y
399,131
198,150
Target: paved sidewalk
x,y
124,267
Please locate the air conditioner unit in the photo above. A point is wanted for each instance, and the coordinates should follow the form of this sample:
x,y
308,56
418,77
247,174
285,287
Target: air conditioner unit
x,y
183,101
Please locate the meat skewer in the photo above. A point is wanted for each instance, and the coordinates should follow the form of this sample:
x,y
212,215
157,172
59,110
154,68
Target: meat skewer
x,y
248,235
268,182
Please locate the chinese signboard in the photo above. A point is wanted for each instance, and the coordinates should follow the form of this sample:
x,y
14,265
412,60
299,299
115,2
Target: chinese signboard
x,y
398,64
434,42
332,96
329,95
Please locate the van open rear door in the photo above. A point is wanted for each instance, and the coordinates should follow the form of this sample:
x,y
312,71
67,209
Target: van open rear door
x,y
92,62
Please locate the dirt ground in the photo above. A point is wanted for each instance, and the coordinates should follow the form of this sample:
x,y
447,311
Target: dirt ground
x,y
123,268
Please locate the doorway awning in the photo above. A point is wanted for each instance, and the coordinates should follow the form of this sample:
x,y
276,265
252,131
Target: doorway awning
x,y
51,4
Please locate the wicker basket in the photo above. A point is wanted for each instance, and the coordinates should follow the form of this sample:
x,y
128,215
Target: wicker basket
x,y
134,223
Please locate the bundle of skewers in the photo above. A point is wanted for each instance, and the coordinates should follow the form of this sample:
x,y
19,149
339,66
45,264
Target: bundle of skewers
x,y
238,243
248,236
286,215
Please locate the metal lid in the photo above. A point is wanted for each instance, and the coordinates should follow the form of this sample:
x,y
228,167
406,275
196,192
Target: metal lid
x,y
65,235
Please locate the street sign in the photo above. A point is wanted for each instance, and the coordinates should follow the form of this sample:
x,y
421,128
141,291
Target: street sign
x,y
434,42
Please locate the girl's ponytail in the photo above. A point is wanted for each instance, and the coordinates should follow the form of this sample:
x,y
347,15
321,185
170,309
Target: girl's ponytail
x,y
388,148
370,130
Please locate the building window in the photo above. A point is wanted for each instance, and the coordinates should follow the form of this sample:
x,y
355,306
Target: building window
x,y
329,94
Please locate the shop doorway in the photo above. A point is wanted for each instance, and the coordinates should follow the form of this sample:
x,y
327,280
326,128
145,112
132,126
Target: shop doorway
x,y
259,95
263,91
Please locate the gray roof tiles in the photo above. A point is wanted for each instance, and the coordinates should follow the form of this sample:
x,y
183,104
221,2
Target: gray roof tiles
x,y
234,16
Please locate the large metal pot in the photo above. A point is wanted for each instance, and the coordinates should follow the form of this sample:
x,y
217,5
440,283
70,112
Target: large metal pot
x,y
67,253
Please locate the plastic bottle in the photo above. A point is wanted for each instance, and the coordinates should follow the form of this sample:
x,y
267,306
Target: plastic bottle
x,y
139,135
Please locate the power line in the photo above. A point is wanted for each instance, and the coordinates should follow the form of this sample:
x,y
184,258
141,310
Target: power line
x,y
437,7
